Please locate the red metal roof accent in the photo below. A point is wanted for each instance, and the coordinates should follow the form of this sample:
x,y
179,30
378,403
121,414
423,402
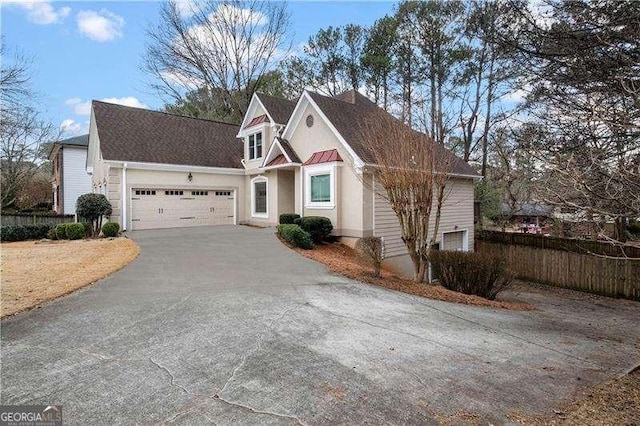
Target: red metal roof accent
x,y
323,157
280,159
257,120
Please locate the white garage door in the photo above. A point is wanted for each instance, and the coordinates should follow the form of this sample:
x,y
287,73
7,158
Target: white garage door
x,y
174,208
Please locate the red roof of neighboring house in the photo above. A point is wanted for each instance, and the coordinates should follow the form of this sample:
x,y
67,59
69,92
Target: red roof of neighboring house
x,y
280,159
323,157
257,120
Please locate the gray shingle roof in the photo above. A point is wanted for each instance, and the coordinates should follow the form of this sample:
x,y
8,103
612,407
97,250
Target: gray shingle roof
x,y
279,109
350,112
76,141
134,134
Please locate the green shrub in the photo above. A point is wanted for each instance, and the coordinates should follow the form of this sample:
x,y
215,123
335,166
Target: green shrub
x,y
75,231
110,229
61,231
12,233
287,218
370,249
471,273
52,234
93,207
317,226
295,235
24,232
634,227
88,229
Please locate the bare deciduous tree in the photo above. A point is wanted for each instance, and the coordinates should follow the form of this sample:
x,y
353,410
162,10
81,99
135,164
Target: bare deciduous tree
x,y
411,172
22,131
226,46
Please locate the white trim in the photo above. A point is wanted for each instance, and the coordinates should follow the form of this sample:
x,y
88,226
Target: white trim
x,y
257,179
315,170
125,196
478,177
296,117
262,142
280,166
465,238
250,113
175,167
267,158
235,206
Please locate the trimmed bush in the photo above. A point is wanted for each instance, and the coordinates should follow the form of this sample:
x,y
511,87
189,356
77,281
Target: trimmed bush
x,y
370,249
317,226
471,273
75,231
61,231
110,229
295,235
287,218
24,232
93,207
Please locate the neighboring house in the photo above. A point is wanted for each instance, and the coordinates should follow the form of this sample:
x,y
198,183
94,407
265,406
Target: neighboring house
x,y
528,217
307,157
70,178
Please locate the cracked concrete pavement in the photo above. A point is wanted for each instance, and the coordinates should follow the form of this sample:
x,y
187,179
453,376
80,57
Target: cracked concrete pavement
x,y
225,325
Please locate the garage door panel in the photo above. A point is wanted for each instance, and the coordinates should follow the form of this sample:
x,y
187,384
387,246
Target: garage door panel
x,y
171,208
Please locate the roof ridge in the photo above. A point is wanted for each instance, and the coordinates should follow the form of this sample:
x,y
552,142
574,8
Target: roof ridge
x,y
167,113
275,97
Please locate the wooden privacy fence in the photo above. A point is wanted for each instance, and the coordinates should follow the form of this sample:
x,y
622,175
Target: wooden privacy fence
x,y
24,219
532,259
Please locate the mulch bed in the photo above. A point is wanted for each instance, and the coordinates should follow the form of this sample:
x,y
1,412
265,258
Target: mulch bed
x,y
344,260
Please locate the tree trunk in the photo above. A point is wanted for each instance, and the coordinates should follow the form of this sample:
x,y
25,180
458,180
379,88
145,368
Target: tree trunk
x,y
620,229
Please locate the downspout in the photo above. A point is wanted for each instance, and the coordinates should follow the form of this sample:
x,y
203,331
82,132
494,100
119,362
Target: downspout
x,y
124,197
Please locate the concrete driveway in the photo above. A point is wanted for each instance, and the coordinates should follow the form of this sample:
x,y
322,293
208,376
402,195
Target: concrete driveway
x,y
226,325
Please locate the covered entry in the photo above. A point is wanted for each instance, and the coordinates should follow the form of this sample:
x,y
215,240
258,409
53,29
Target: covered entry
x,y
153,208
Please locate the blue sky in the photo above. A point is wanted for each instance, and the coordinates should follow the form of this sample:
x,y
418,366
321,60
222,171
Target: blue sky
x,y
93,50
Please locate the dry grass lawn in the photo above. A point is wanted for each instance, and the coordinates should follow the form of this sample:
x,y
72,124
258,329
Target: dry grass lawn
x,y
343,260
616,402
36,271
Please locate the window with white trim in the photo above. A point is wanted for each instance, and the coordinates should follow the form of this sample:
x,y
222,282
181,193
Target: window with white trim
x,y
259,197
255,146
320,186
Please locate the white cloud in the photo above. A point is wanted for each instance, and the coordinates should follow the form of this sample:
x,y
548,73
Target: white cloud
x,y
187,8
41,12
100,26
71,127
126,101
182,80
80,107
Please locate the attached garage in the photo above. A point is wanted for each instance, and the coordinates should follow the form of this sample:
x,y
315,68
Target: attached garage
x,y
153,208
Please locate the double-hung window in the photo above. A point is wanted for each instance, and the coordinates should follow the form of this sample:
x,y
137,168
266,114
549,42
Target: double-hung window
x,y
255,146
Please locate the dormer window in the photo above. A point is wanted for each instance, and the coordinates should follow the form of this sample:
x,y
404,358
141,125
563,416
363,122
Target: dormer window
x,y
255,146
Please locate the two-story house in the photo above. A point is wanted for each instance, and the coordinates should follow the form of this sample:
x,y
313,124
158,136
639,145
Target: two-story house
x,y
70,178
307,157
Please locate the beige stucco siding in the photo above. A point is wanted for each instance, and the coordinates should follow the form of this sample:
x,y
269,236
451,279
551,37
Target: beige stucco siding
x,y
267,137
163,179
286,191
457,215
346,216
